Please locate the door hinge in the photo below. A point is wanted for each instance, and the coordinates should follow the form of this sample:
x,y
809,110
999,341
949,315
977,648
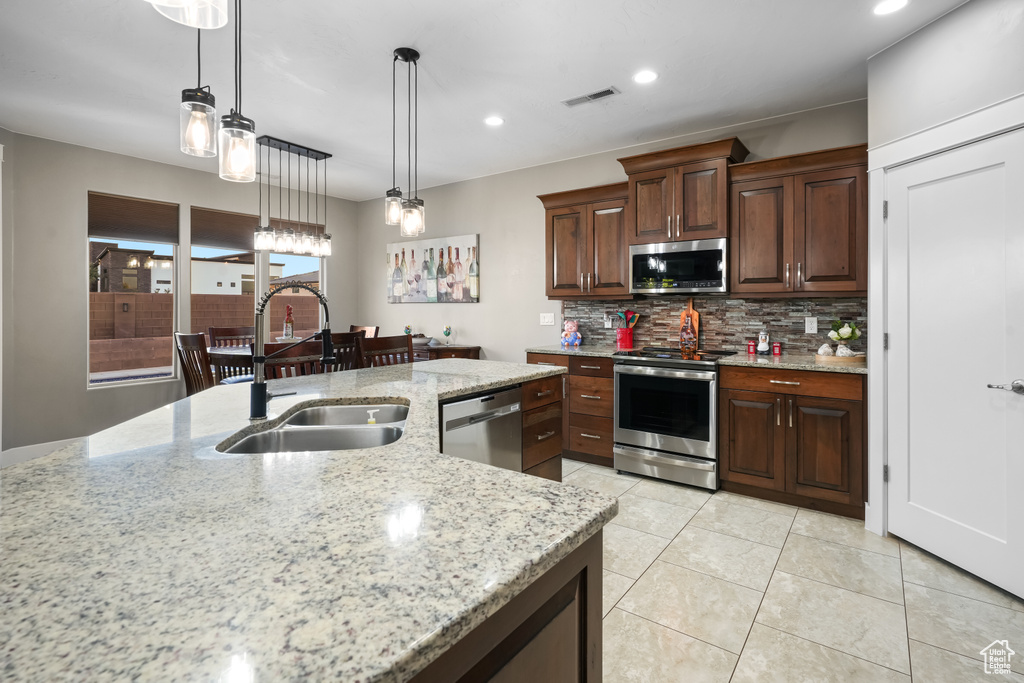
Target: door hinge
x,y
885,209
885,473
885,341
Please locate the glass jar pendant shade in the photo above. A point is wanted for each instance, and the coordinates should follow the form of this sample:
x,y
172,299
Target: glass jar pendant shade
x,y
237,142
325,244
393,207
198,118
194,13
412,218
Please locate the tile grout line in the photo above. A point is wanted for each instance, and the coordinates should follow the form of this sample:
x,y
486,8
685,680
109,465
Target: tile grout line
x,y
763,596
682,633
906,613
846,545
961,595
833,649
842,588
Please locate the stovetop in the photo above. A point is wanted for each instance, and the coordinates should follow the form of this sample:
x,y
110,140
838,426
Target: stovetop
x,y
673,356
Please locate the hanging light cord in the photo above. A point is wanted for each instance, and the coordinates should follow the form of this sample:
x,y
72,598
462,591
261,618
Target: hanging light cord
x,y
199,58
238,57
394,124
408,122
416,186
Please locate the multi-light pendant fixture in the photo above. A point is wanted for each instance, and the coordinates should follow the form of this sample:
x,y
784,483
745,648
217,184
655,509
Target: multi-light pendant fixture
x,y
284,235
237,136
406,212
194,13
198,113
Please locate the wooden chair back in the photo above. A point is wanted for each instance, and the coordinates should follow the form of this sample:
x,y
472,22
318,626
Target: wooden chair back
x,y
238,369
195,362
346,351
371,332
232,336
385,350
303,359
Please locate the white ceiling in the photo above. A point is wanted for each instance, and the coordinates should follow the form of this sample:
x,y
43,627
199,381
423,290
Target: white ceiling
x,y
107,74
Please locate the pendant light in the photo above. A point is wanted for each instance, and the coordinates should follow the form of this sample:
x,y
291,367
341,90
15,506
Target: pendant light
x,y
412,210
195,13
237,137
263,237
292,236
198,113
393,197
325,239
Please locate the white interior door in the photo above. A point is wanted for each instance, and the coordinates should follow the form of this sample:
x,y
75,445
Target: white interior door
x,y
955,316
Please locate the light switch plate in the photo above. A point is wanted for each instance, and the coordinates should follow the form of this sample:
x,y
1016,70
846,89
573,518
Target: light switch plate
x,y
810,325
547,318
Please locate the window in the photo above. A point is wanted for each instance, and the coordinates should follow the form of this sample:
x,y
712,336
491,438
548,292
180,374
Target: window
x,y
305,307
222,255
131,314
220,284
232,284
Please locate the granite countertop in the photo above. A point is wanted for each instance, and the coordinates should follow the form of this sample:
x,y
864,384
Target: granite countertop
x,y
592,350
143,552
790,361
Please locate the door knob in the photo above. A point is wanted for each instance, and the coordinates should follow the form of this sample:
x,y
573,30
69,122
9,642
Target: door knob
x,y
1017,386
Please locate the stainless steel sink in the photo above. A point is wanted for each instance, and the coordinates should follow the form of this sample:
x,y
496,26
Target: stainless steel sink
x,y
317,439
348,415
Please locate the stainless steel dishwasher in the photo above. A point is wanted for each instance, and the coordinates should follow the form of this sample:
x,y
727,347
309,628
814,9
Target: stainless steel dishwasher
x,y
486,428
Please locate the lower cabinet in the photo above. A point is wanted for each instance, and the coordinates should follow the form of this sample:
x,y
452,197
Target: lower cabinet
x,y
436,352
794,436
543,415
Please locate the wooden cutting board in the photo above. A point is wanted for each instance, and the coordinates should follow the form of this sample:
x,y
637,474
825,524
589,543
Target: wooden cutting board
x,y
694,321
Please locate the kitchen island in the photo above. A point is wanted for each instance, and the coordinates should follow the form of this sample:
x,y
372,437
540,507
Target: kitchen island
x,y
144,552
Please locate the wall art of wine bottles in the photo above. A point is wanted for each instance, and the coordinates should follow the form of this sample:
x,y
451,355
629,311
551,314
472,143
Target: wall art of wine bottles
x,y
443,270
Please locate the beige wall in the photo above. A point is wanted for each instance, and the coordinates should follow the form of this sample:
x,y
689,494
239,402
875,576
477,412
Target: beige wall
x,y
45,326
968,59
509,218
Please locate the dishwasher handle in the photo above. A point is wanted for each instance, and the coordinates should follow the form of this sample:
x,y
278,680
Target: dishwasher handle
x,y
469,420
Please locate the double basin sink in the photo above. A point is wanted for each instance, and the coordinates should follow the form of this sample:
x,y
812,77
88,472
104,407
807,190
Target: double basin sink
x,y
328,428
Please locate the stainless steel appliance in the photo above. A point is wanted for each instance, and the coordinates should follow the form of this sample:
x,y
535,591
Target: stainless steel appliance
x,y
666,415
695,266
487,429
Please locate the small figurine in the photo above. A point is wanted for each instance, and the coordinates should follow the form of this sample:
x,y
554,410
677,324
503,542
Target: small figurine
x,y
825,350
571,336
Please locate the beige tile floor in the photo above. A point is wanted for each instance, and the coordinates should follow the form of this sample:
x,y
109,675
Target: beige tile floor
x,y
701,587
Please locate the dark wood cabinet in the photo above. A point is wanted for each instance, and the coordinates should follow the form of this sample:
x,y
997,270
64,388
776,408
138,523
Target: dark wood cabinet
x,y
682,193
794,436
585,243
799,224
453,351
543,412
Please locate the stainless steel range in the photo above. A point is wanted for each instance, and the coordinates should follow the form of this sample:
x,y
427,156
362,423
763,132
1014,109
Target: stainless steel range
x,y
666,414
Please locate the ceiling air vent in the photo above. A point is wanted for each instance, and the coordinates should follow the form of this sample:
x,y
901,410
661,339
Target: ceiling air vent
x,y
583,99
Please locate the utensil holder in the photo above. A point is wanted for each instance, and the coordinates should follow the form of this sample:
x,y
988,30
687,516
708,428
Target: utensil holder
x,y
624,337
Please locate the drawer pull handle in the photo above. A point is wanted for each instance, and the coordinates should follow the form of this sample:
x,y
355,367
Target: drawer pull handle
x,y
589,436
541,394
778,411
596,398
550,434
779,381
591,367
790,412
540,362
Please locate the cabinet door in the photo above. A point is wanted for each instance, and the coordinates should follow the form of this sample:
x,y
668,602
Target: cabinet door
x,y
825,448
830,230
650,202
762,236
752,440
701,200
566,249
607,248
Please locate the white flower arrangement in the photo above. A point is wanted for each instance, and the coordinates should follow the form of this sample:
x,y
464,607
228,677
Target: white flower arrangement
x,y
842,332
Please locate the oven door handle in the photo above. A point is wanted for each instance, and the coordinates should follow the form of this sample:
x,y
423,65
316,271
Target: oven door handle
x,y
671,373
676,460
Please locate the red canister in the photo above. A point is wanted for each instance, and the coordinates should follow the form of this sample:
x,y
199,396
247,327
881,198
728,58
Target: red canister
x,y
751,346
776,348
624,337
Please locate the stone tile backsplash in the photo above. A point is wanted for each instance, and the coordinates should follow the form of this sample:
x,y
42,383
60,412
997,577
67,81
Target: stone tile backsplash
x,y
725,323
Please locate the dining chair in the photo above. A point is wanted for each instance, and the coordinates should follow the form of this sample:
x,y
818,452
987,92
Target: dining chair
x,y
195,362
302,359
346,351
385,350
371,332
232,336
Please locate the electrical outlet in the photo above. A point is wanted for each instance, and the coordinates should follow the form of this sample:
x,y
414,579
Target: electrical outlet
x,y
607,321
810,325
547,318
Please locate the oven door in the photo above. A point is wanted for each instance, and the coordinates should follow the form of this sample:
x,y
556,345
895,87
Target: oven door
x,y
667,409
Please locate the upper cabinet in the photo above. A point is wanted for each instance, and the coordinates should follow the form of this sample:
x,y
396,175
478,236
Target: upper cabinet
x,y
585,243
682,193
799,224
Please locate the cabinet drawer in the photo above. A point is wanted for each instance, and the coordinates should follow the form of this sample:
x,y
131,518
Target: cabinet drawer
x,y
589,434
549,469
591,367
420,355
591,395
547,359
541,392
542,434
794,382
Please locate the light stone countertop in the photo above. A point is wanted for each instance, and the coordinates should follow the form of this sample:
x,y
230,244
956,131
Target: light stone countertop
x,y
591,350
790,361
142,552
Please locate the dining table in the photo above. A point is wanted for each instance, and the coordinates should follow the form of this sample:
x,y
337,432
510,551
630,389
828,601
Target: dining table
x,y
232,363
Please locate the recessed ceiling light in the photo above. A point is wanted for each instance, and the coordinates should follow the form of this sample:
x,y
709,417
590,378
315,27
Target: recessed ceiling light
x,y
890,6
646,76
494,120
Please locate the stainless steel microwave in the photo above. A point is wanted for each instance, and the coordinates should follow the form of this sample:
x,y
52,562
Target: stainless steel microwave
x,y
696,266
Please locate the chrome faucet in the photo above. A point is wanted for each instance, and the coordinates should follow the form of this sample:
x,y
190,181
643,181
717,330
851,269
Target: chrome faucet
x,y
258,395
